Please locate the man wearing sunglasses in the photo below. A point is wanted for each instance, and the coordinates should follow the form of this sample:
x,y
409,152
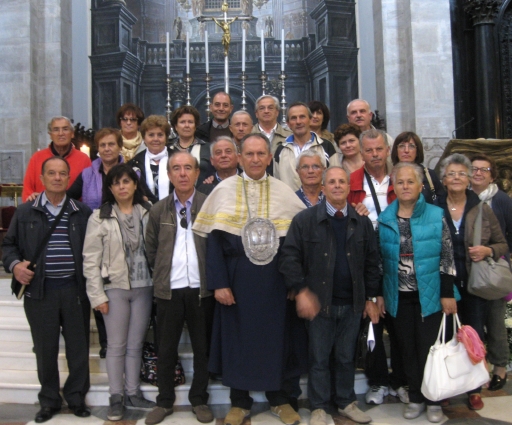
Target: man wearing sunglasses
x,y
177,258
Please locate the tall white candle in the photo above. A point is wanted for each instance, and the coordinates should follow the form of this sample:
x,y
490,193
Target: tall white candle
x,y
262,51
188,53
167,52
206,52
282,50
243,49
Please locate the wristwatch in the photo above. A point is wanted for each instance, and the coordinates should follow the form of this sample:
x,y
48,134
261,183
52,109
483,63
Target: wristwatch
x,y
372,299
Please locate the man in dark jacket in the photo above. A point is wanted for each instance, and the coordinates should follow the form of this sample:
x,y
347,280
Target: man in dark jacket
x,y
330,260
221,108
55,296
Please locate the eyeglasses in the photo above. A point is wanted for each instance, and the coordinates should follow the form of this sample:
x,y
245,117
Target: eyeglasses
x,y
313,167
268,108
183,218
403,146
129,119
483,170
453,174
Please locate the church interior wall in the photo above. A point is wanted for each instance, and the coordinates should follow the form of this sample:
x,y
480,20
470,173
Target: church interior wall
x,y
404,63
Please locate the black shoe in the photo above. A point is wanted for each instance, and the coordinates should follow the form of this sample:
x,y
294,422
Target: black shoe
x,y
103,352
497,383
45,414
82,411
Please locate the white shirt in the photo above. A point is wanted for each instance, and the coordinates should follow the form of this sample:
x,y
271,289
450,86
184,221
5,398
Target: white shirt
x,y
185,264
270,135
381,190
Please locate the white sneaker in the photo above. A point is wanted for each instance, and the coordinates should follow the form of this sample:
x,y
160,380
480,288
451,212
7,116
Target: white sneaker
x,y
355,414
413,410
318,417
401,392
434,414
376,394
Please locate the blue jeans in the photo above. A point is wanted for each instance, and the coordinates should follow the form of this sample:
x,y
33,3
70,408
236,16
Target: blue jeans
x,y
339,331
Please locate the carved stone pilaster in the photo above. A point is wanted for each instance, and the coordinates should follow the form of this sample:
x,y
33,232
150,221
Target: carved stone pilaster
x,y
483,11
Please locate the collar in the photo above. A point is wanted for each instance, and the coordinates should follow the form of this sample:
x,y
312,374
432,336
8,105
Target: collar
x,y
215,124
188,202
307,201
291,139
265,132
331,210
246,177
219,179
44,201
54,151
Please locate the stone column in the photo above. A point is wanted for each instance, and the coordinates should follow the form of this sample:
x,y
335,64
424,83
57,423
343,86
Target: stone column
x,y
488,109
413,58
36,75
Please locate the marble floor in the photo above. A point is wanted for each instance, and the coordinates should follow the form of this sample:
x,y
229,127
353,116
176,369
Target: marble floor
x,y
497,411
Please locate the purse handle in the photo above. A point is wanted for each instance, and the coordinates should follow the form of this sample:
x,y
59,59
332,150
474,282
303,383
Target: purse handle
x,y
442,329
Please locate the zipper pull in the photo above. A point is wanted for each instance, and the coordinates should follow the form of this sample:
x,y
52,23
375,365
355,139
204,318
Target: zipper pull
x,y
78,298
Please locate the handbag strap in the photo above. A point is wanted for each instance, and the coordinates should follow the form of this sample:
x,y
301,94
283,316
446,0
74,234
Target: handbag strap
x,y
477,235
48,235
442,329
431,184
374,195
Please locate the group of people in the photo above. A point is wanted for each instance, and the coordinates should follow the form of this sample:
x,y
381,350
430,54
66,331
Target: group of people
x,y
272,244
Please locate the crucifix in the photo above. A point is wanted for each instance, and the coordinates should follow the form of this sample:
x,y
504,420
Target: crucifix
x,y
225,24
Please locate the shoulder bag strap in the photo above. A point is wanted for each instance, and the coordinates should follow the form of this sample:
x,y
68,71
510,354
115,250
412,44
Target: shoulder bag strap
x,y
477,235
48,235
43,243
431,184
374,195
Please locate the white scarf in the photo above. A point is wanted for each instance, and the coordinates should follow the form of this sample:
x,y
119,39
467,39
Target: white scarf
x,y
487,194
163,179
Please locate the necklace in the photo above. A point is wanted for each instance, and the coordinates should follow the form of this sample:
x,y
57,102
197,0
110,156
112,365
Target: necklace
x,y
185,149
453,206
259,235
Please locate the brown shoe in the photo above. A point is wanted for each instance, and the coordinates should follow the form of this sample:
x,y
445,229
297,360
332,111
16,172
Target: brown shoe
x,y
157,415
236,416
203,413
286,413
475,402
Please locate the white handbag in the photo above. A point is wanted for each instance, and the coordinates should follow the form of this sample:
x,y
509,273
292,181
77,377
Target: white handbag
x,y
449,371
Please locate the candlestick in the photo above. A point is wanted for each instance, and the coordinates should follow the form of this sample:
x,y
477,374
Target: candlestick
x,y
188,80
208,79
167,53
206,56
263,77
262,52
243,49
243,77
188,54
282,50
85,149
283,77
168,109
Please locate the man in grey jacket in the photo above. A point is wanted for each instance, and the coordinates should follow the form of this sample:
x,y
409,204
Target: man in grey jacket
x,y
177,257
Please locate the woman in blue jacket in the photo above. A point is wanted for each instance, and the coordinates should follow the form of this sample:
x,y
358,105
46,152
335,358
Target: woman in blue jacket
x,y
419,271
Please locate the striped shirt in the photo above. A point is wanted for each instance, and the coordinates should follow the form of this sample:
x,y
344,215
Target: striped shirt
x,y
59,261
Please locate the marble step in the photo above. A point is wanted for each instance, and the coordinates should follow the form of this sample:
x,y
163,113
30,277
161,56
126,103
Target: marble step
x,y
19,356
22,387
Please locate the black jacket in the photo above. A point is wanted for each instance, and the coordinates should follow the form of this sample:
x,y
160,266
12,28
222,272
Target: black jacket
x,y
28,227
308,256
203,131
139,161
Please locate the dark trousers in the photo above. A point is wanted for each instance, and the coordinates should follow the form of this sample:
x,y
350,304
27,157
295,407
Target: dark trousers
x,y
378,373
415,334
242,399
185,305
60,309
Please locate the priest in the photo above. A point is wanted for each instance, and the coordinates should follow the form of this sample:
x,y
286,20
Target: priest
x,y
256,333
